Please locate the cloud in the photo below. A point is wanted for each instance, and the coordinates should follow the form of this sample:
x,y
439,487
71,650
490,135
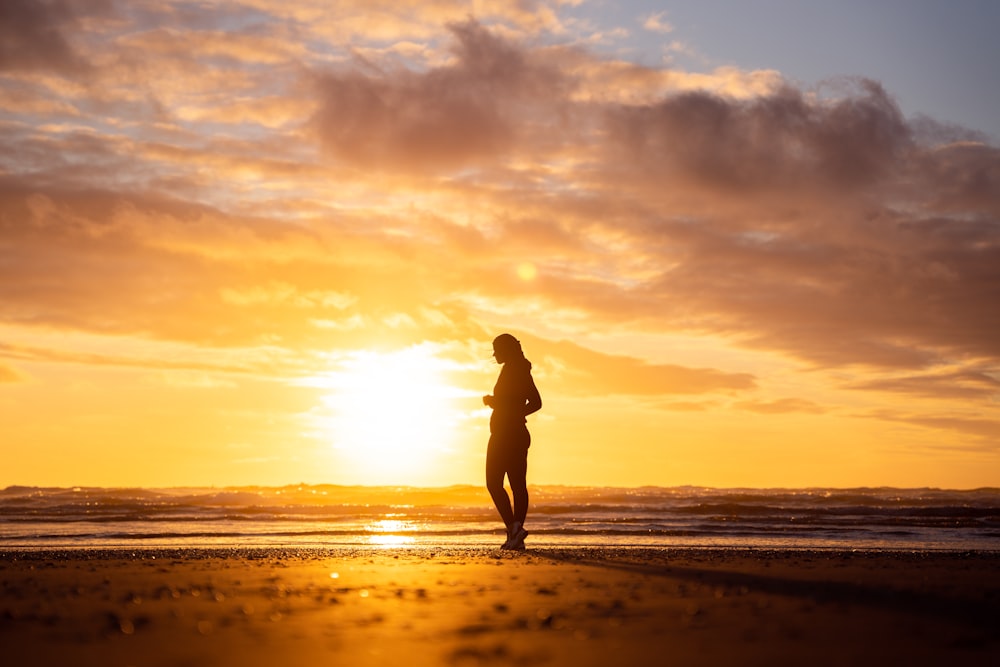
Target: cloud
x,y
470,110
964,384
815,227
582,371
33,36
765,216
959,178
380,21
176,271
655,23
185,367
781,406
268,169
100,261
244,48
780,140
610,81
984,432
285,293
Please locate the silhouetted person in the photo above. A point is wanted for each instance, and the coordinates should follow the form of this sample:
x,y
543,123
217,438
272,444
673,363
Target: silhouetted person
x,y
514,398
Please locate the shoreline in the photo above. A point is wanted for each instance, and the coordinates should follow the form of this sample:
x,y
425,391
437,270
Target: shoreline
x,y
196,549
332,549
461,605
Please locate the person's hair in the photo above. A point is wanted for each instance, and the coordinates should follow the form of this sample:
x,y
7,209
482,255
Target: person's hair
x,y
508,343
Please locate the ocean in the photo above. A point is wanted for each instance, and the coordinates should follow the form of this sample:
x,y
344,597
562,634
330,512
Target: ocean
x,y
330,515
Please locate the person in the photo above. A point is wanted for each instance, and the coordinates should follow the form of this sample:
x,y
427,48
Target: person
x,y
514,398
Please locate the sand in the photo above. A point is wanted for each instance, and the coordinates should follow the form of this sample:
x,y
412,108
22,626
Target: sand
x,y
459,606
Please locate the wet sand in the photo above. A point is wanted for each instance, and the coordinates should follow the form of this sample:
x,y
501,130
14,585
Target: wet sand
x,y
459,606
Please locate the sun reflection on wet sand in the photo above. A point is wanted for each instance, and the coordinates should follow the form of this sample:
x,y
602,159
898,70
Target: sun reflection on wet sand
x,y
386,533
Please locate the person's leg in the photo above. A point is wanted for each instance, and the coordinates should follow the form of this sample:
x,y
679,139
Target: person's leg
x,y
495,471
517,475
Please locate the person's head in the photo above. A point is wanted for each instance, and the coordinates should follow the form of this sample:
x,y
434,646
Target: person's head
x,y
506,347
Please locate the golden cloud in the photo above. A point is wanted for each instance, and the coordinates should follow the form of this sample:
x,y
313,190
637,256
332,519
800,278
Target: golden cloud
x,y
262,170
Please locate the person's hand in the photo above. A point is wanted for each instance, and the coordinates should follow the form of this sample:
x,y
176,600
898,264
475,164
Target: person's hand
x,y
488,400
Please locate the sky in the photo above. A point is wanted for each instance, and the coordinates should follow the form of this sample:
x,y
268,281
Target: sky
x,y
743,244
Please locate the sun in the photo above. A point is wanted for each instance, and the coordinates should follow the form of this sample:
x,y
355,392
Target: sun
x,y
390,416
527,271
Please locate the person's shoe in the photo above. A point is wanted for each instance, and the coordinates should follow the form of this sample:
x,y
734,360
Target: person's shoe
x,y
517,535
510,533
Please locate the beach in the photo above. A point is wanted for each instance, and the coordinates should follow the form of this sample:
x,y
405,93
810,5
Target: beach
x,y
483,606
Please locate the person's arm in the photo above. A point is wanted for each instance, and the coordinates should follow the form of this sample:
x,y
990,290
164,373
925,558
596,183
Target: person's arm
x,y
534,400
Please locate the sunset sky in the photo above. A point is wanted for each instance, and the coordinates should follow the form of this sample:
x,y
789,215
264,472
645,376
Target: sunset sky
x,y
268,242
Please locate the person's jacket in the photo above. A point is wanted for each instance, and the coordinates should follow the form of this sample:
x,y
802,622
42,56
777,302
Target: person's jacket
x,y
514,396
